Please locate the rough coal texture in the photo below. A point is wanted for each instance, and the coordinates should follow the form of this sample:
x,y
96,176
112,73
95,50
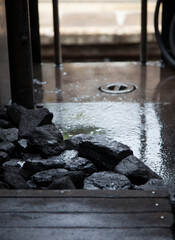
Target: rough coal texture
x,y
135,170
46,177
32,185
22,147
62,183
30,155
9,135
3,157
68,160
33,118
13,163
74,142
5,124
81,164
34,155
72,162
12,177
104,152
106,181
14,113
7,147
47,139
32,166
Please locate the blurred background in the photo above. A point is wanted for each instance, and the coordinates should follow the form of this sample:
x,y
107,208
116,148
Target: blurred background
x,y
97,30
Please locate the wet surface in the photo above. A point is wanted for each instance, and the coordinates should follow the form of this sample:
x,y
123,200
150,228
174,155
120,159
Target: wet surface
x,y
143,119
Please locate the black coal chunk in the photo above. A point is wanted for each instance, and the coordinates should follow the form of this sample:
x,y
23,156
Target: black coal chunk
x,y
106,181
5,124
14,113
65,156
135,170
12,177
32,166
22,146
73,143
3,157
33,118
9,135
62,183
103,152
46,177
80,164
7,147
68,159
32,185
73,162
77,178
47,139
31,156
14,162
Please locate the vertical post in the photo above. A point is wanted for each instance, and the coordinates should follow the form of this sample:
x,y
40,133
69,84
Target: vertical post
x,y
143,57
35,34
5,94
57,41
20,56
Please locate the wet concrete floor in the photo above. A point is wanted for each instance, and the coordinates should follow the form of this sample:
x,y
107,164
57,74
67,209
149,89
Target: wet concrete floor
x,y
144,119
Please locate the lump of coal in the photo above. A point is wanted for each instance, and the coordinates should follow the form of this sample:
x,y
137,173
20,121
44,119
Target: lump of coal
x,y
33,118
103,152
106,181
135,170
62,183
47,139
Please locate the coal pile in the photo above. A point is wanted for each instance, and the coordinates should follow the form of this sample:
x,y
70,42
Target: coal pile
x,y
34,155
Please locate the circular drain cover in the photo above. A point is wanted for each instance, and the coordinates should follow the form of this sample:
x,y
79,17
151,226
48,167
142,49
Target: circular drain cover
x,y
117,88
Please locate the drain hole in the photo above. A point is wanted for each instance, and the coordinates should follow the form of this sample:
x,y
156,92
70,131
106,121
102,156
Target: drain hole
x,y
117,88
122,87
112,88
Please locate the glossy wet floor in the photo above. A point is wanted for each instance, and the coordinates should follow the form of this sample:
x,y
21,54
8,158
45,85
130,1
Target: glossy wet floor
x,y
144,119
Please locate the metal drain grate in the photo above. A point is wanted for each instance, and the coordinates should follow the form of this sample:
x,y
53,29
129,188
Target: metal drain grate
x,y
117,88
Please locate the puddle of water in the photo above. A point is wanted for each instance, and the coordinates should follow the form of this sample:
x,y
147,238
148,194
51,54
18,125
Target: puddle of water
x,y
138,126
143,127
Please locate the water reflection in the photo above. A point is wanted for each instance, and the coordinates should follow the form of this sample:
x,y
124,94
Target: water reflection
x,y
38,83
166,115
47,83
143,130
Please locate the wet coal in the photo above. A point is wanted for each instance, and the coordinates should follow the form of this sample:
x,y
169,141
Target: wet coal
x,y
135,170
34,155
107,181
